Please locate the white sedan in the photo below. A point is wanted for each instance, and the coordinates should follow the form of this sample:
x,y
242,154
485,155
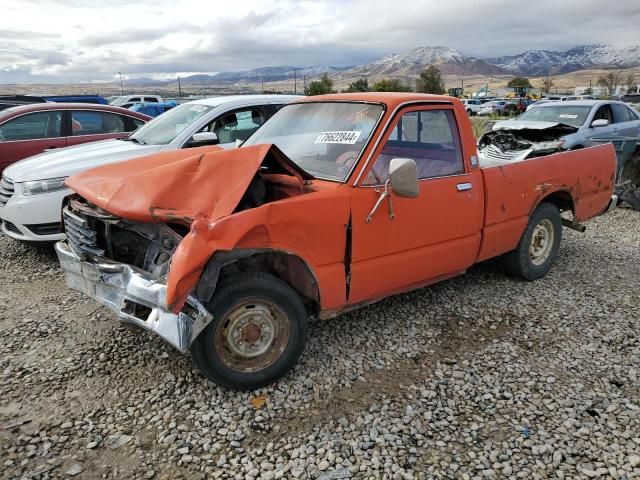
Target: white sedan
x,y
32,190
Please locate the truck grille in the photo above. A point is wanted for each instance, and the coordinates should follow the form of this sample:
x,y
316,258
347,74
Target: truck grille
x,y
81,235
6,190
93,231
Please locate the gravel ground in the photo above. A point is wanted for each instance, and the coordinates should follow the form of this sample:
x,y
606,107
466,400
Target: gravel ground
x,y
481,376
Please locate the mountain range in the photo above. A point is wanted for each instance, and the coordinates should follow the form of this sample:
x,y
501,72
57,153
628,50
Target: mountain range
x,y
410,63
548,62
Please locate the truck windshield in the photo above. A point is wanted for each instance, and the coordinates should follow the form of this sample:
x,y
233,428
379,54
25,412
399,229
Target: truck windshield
x,y
325,139
164,128
567,114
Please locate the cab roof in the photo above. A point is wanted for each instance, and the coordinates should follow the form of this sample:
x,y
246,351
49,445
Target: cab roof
x,y
390,99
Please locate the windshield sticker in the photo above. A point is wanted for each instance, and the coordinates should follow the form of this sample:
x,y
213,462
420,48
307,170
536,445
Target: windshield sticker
x,y
566,115
198,108
344,137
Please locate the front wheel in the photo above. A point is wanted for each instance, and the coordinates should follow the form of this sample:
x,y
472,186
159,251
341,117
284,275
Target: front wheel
x,y
539,245
257,334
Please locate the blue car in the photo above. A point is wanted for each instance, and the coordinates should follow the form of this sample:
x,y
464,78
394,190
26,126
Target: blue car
x,y
153,109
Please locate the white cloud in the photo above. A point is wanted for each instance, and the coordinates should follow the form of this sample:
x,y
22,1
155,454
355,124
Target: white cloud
x,y
83,39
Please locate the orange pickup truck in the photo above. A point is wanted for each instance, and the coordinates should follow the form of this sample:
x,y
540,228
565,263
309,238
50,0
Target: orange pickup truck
x,y
336,202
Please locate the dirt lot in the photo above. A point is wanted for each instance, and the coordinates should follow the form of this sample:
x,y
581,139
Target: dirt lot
x,y
482,376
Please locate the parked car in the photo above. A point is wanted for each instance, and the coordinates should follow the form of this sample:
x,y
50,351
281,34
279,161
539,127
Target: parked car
x,y
471,105
538,102
492,107
337,202
27,130
153,109
33,190
564,125
7,101
97,99
128,101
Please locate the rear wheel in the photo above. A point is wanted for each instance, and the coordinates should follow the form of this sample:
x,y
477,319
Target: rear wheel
x,y
469,112
257,334
539,245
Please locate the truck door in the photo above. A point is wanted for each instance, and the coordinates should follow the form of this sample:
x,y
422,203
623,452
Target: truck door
x,y
432,236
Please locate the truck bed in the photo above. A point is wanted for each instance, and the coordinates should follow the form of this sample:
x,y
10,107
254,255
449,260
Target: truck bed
x,y
580,180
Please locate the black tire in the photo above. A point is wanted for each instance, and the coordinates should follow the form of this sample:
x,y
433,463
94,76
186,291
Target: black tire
x,y
212,351
522,262
469,112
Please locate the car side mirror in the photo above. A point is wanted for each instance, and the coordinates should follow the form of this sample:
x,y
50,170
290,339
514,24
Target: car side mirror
x,y
403,174
201,139
601,122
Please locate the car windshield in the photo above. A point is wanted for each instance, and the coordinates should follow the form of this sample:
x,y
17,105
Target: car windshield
x,y
325,139
164,128
573,115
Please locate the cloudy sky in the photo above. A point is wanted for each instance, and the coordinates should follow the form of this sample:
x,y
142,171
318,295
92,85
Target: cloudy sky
x,y
81,40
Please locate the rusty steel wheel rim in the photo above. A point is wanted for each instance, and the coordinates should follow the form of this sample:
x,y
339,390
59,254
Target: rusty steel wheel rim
x,y
541,242
252,335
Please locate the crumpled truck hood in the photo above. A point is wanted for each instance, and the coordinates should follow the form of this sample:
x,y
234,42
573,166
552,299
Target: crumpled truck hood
x,y
532,125
182,185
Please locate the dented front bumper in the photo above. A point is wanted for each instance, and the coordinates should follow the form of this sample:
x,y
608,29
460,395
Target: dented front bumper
x,y
136,298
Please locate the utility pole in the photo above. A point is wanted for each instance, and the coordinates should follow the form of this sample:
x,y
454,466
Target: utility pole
x,y
121,85
179,89
295,81
304,83
262,79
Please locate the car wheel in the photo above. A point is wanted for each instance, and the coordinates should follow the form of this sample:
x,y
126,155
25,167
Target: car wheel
x,y
539,245
469,112
257,334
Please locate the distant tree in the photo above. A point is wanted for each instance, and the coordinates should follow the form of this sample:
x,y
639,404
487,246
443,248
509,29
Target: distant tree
x,y
430,81
588,91
520,82
547,83
320,87
361,85
611,81
391,85
630,83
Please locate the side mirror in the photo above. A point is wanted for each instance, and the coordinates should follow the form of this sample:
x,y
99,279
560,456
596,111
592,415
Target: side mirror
x,y
201,139
601,122
403,174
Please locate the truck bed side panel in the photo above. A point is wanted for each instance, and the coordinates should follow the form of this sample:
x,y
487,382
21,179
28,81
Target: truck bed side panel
x,y
514,190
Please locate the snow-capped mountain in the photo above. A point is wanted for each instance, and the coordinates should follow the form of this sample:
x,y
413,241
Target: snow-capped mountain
x,y
549,62
412,62
273,74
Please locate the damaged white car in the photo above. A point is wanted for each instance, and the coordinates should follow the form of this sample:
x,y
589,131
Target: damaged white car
x,y
557,126
570,125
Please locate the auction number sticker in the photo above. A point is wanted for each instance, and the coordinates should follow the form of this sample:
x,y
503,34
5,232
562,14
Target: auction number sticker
x,y
567,115
344,137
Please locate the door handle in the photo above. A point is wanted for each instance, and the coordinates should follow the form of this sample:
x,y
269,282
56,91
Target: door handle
x,y
461,187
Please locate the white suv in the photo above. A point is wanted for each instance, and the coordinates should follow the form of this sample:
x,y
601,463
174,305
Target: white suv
x,y
471,105
32,190
128,101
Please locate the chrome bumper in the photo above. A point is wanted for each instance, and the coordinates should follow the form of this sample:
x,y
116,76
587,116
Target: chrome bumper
x,y
134,297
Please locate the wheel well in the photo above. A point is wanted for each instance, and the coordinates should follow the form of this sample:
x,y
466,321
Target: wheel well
x,y
561,199
286,266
